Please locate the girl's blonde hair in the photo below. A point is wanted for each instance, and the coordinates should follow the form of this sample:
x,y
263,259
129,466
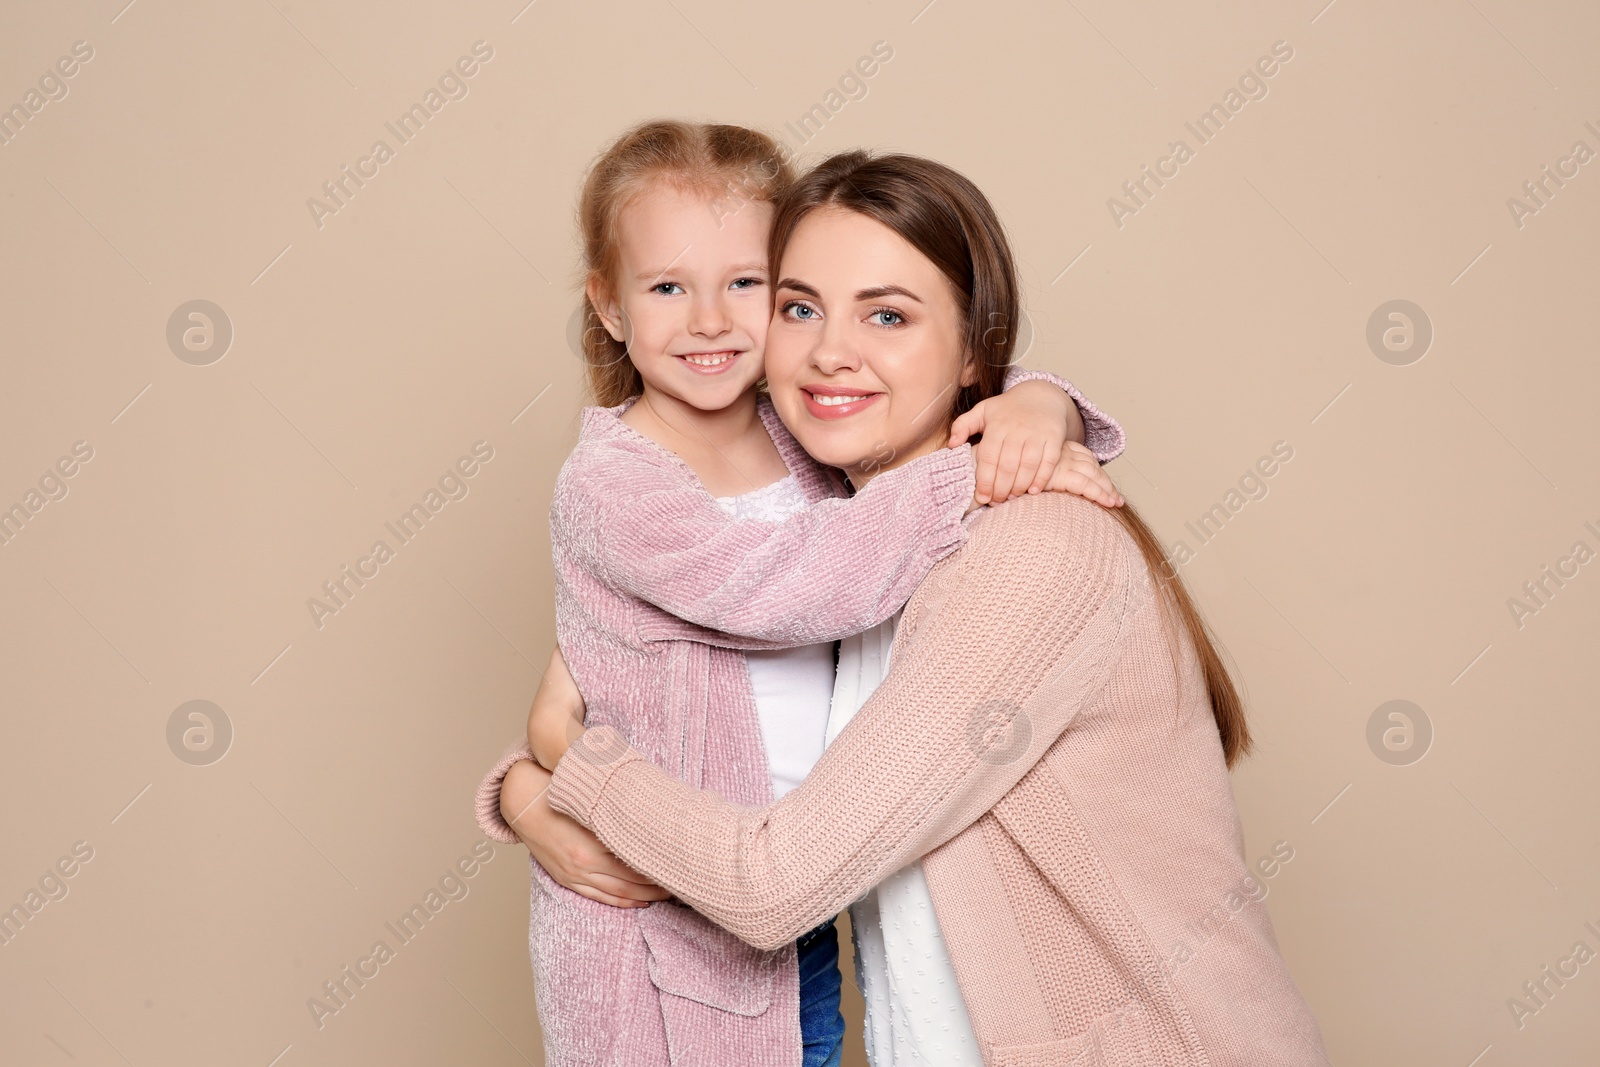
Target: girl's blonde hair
x,y
733,166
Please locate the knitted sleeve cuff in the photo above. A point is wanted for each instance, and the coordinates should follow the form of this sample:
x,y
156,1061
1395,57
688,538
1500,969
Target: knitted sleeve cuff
x,y
583,772
487,803
1102,434
952,478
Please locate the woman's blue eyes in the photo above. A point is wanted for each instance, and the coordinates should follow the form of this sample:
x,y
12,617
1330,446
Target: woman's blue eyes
x,y
806,313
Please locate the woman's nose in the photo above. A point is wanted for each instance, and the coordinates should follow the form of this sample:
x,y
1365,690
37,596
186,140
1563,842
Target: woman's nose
x,y
834,352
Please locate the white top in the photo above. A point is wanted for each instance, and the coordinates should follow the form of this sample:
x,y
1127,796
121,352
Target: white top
x,y
793,686
915,1014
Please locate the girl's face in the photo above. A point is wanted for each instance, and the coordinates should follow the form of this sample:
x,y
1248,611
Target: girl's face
x,y
866,350
690,297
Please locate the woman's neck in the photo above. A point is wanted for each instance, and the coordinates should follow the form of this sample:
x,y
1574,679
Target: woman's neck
x,y
885,458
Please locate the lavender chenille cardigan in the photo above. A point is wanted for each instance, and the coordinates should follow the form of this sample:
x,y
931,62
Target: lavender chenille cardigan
x,y
658,592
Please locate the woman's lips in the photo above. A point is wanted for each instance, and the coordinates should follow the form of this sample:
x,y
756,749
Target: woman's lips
x,y
710,362
832,402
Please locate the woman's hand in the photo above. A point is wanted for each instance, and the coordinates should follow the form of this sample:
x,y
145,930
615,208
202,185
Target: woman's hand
x,y
1025,430
556,717
569,854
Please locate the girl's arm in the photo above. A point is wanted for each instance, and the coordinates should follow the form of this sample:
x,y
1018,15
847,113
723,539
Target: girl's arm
x,y
1026,636
840,566
837,568
1102,434
1024,429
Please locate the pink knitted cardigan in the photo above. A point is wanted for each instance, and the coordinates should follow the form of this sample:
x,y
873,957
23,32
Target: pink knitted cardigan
x,y
1048,748
657,591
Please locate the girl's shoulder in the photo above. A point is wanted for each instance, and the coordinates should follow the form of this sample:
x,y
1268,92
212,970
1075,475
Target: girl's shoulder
x,y
816,481
610,451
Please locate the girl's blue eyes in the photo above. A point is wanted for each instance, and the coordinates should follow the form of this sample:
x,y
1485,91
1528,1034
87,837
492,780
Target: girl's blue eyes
x,y
667,288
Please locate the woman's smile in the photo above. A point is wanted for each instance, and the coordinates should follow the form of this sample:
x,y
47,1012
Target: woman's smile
x,y
837,402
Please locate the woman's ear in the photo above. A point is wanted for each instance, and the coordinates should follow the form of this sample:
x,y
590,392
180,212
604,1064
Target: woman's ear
x,y
605,306
969,371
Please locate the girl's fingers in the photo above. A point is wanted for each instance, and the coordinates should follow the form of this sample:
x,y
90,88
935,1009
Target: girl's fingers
x,y
1101,490
1005,473
1079,473
1033,453
1007,469
966,424
1047,468
986,457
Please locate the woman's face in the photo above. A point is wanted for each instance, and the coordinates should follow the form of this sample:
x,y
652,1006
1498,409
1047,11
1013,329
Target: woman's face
x,y
865,353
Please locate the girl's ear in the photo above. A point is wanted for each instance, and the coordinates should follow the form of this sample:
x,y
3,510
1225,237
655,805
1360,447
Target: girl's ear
x,y
605,306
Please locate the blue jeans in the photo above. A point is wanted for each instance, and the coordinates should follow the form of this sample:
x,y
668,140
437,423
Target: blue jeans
x,y
821,1023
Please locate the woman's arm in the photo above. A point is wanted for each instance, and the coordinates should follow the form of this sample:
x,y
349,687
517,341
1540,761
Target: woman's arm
x,y
978,692
571,855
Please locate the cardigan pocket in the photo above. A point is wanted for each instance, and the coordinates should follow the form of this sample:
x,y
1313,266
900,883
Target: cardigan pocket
x,y
695,959
1122,1037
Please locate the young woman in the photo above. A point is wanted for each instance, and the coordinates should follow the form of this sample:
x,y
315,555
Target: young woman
x,y
1053,740
686,506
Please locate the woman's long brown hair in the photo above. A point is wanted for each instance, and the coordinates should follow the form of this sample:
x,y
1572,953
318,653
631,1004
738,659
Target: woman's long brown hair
x,y
949,220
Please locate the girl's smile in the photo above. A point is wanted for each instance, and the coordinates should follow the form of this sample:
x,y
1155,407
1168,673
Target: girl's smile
x,y
690,297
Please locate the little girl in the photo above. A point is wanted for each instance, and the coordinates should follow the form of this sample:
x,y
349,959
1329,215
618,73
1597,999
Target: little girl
x,y
704,568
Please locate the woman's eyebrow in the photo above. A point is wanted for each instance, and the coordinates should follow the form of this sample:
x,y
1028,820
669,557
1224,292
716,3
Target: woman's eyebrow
x,y
799,287
865,294
887,290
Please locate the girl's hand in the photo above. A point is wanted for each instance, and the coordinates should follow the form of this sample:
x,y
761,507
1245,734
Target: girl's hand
x,y
556,717
1080,473
1024,432
1032,433
571,855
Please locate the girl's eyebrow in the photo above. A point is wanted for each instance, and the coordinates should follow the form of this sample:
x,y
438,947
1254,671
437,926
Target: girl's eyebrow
x,y
655,276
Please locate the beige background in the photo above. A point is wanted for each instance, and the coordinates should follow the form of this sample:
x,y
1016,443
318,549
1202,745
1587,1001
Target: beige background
x,y
429,313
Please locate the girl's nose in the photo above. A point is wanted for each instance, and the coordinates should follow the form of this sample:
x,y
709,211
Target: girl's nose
x,y
709,318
